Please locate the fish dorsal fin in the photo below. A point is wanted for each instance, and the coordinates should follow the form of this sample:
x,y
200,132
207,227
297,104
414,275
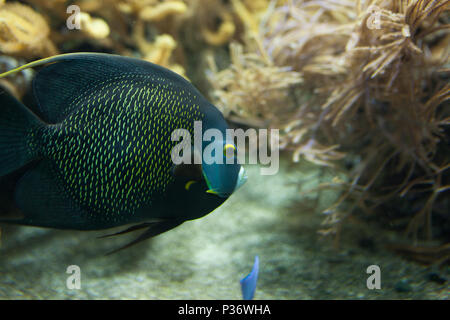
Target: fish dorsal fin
x,y
65,77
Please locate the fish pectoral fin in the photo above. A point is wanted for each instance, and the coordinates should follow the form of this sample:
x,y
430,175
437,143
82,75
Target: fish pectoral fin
x,y
156,228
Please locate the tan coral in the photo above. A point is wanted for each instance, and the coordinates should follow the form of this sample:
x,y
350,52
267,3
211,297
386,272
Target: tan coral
x,y
23,31
223,34
162,10
159,51
253,86
247,13
371,92
96,28
250,13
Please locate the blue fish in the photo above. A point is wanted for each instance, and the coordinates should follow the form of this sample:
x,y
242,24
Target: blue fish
x,y
248,283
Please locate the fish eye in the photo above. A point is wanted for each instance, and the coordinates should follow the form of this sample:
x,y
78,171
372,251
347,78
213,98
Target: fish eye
x,y
229,150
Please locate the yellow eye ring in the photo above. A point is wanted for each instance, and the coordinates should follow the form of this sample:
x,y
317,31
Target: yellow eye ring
x,y
227,147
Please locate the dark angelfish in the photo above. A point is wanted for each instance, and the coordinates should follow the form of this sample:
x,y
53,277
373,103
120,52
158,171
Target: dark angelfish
x,y
93,149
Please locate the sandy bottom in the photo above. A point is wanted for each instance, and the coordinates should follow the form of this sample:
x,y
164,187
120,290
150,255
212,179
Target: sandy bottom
x,y
204,259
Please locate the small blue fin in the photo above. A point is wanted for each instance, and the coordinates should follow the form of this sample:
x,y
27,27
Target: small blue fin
x,y
248,283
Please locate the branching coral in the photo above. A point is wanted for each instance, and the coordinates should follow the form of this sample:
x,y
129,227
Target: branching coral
x,y
158,51
210,22
94,27
401,119
373,96
252,86
109,25
220,22
162,31
162,10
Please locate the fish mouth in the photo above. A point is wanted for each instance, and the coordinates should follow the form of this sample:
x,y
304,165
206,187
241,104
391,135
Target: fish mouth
x,y
220,194
242,178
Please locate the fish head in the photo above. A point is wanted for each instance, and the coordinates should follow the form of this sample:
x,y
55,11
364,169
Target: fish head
x,y
222,172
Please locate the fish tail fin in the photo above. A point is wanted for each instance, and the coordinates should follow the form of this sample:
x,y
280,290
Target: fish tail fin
x,y
16,124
